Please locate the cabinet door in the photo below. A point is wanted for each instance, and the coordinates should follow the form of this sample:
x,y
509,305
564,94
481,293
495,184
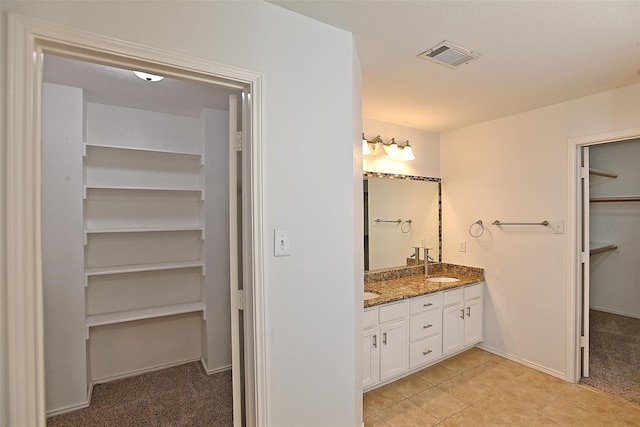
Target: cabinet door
x,y
393,349
370,357
473,322
452,328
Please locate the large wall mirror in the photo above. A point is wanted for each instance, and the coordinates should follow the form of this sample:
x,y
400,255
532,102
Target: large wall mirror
x,y
400,212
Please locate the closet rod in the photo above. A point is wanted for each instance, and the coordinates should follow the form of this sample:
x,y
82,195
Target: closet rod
x,y
498,223
616,199
603,249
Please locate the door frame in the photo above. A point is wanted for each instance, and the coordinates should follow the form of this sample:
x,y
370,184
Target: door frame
x,y
574,242
28,40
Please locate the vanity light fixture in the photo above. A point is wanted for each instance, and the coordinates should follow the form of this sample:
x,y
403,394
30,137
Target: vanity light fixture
x,y
148,77
365,146
391,149
393,152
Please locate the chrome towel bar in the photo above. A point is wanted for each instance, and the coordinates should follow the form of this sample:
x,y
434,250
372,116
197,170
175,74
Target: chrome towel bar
x,y
498,223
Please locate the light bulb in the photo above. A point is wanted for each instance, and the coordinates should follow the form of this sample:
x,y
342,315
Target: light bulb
x,y
393,152
148,77
407,152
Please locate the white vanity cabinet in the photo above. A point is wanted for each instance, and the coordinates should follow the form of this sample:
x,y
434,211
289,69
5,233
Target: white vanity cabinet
x,y
461,318
425,327
406,336
384,343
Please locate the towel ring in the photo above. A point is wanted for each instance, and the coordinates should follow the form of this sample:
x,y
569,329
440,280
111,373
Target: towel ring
x,y
406,226
478,223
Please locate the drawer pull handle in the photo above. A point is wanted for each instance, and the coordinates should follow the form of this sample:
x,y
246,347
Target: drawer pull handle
x,y
468,311
462,314
427,326
384,338
424,353
428,304
375,341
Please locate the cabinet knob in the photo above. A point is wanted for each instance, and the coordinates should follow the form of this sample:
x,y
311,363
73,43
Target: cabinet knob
x,y
427,326
424,353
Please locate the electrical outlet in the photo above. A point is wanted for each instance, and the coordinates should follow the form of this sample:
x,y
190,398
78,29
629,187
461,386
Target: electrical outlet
x,y
557,226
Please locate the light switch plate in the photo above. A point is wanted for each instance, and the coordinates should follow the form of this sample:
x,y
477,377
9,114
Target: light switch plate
x,y
558,226
281,243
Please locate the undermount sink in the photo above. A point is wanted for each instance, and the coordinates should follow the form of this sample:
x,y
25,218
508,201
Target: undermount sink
x,y
442,279
370,295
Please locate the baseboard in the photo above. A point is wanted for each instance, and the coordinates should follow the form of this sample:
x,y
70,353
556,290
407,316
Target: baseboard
x,y
67,409
525,362
215,370
143,371
619,313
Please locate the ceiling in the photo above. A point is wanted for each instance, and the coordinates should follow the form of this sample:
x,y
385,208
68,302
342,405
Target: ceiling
x,y
534,53
116,86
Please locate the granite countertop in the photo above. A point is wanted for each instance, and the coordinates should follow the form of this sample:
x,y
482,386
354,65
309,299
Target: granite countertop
x,y
396,289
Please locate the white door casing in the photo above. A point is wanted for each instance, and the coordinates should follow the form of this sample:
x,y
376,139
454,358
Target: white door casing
x,y
28,40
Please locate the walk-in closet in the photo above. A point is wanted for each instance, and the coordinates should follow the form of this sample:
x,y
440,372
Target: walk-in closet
x,y
614,297
135,190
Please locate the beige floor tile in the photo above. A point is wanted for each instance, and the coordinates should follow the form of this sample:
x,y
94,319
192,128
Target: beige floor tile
x,y
514,368
506,412
470,417
545,382
593,401
567,413
408,386
407,414
374,421
492,377
629,416
524,394
539,420
438,403
380,398
435,374
461,362
466,389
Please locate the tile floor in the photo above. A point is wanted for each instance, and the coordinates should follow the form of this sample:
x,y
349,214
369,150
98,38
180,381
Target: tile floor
x,y
477,388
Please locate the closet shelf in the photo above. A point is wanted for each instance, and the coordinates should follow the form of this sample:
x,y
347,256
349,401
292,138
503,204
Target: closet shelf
x,y
141,230
103,271
127,188
144,313
598,247
603,173
142,149
615,199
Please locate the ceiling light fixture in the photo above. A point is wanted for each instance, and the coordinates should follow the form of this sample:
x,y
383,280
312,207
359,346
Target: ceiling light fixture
x,y
148,77
391,149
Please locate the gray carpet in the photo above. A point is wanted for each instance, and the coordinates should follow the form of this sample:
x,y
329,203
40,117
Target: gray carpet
x,y
615,355
180,396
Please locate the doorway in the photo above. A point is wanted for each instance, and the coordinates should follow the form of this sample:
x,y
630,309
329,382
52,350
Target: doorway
x,y
31,39
606,195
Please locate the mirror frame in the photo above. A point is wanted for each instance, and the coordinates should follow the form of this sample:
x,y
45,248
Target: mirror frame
x,y
412,178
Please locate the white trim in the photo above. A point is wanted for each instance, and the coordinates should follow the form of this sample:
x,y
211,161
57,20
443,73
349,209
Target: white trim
x,y
524,362
619,313
213,371
573,256
23,279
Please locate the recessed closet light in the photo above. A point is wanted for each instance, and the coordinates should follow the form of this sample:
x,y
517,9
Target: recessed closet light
x,y
148,77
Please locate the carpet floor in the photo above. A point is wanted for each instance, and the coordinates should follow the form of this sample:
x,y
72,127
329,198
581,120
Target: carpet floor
x,y
179,396
614,355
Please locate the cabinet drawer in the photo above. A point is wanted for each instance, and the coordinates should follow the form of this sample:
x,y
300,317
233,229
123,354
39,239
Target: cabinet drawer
x,y
473,291
425,303
424,325
391,312
424,351
370,318
453,296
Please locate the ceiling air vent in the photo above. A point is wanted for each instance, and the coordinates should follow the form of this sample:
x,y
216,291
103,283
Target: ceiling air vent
x,y
449,55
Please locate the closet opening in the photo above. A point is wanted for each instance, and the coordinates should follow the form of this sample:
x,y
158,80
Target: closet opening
x,y
608,285
127,216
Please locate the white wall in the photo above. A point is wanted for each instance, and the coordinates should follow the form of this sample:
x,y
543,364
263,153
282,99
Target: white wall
x,y
425,146
615,276
515,169
309,94
62,247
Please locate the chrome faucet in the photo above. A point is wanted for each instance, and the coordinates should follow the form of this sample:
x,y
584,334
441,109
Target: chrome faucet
x,y
427,257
